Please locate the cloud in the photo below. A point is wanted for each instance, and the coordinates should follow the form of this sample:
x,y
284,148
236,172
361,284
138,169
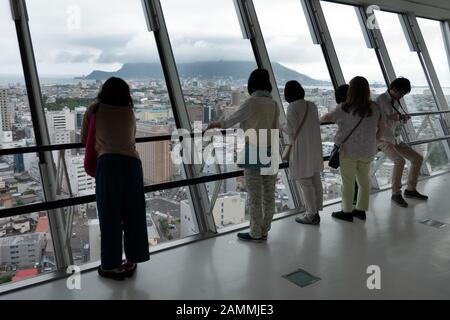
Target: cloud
x,y
74,57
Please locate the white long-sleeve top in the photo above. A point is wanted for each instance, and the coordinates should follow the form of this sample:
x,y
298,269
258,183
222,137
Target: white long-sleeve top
x,y
306,156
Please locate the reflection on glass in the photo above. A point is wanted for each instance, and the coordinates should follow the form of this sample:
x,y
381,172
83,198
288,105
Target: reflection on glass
x,y
427,127
406,63
436,156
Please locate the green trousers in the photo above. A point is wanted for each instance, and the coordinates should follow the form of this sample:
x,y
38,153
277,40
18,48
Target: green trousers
x,y
355,168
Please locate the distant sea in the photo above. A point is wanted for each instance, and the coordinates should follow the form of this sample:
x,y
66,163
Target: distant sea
x,y
48,80
5,80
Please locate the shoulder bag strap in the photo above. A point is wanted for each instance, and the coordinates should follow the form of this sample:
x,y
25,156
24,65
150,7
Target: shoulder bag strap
x,y
351,132
301,124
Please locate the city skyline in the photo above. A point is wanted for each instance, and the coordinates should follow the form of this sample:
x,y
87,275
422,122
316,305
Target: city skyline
x,y
76,43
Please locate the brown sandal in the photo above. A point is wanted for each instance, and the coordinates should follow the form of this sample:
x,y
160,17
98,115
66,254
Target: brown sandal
x,y
129,267
112,274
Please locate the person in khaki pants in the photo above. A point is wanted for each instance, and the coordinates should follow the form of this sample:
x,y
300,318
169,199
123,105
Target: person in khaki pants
x,y
395,149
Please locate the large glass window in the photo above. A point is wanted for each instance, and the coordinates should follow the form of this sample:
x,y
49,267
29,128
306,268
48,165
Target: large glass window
x,y
432,35
214,63
213,59
16,128
20,181
77,52
406,63
26,248
295,57
25,242
355,57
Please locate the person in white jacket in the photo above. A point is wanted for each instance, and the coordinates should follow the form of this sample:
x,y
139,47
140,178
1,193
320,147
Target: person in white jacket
x,y
306,158
259,112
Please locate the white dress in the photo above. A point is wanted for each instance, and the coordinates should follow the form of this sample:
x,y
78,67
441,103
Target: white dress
x,y
306,155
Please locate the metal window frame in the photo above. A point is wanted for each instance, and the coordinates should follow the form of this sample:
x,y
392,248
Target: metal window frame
x,y
320,35
57,221
417,44
251,30
198,193
445,29
374,38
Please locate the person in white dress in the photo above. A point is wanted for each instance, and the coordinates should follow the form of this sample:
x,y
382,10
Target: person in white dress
x,y
306,158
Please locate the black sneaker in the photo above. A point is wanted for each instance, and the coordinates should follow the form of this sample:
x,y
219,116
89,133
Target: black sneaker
x,y
119,276
359,214
415,195
398,199
309,218
247,237
341,215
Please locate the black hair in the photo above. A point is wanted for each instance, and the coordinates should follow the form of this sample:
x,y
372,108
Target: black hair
x,y
116,92
259,80
341,93
401,84
293,91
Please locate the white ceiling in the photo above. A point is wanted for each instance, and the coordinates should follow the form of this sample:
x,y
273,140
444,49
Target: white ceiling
x,y
435,9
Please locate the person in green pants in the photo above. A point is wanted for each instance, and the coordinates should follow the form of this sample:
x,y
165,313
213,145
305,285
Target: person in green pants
x,y
359,119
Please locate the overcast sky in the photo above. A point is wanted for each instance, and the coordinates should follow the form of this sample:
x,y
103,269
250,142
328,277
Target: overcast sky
x,y
75,37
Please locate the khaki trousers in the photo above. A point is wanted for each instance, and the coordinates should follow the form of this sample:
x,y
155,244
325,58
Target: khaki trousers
x,y
397,153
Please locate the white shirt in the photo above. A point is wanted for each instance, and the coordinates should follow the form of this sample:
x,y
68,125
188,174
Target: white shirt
x,y
393,128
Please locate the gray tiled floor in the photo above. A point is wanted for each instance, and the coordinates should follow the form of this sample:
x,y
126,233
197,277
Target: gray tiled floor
x,y
414,260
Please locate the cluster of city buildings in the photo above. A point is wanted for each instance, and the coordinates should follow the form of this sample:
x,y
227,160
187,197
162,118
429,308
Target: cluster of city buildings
x,y
25,241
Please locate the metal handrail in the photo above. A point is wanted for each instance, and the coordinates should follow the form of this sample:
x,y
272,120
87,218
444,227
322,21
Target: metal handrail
x,y
427,113
67,146
49,205
425,141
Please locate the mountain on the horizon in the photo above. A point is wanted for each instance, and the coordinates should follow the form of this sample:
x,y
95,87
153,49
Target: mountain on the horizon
x,y
206,70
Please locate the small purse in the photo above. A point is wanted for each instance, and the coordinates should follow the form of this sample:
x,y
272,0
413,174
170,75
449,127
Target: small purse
x,y
288,149
90,154
333,162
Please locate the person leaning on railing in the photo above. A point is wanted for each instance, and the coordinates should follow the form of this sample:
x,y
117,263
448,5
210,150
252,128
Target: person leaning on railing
x,y
362,115
259,112
306,158
392,146
119,181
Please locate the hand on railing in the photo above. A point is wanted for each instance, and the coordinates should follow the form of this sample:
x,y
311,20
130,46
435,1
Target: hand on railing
x,y
404,118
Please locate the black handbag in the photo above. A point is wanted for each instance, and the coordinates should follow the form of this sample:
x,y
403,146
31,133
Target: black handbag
x,y
333,162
